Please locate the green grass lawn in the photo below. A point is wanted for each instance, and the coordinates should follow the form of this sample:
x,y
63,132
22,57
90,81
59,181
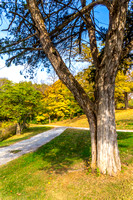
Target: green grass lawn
x,y
59,170
124,120
28,133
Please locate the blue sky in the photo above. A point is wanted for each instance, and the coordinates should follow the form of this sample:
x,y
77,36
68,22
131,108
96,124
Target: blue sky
x,y
13,72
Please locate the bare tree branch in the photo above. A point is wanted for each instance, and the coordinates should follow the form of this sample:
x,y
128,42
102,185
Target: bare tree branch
x,y
91,31
12,58
127,50
57,62
22,17
83,11
13,17
16,49
92,37
15,43
23,20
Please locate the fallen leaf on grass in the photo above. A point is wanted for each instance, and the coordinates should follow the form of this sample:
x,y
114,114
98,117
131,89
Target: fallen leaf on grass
x,y
18,194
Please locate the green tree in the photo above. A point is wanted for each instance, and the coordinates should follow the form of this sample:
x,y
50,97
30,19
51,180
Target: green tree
x,y
4,81
19,102
40,87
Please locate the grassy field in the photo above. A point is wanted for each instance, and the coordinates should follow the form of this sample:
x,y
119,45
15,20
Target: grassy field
x,y
60,170
124,120
28,133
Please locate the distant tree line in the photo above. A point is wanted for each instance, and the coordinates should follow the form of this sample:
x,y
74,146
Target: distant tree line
x,y
25,102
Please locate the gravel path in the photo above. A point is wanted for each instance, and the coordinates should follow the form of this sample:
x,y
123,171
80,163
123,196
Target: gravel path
x,y
16,150
118,130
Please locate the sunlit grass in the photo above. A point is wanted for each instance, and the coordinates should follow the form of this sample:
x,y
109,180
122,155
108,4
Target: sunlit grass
x,y
124,120
28,133
59,170
75,122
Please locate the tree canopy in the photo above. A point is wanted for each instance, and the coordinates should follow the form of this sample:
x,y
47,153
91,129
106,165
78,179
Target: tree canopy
x,y
19,102
58,103
65,23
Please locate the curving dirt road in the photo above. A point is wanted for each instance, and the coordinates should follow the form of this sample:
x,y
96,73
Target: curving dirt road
x,y
16,150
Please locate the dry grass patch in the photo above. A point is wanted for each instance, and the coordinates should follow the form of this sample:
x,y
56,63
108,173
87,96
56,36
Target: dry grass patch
x,y
79,185
124,120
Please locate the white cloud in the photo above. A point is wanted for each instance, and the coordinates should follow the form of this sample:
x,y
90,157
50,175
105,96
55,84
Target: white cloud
x,y
13,73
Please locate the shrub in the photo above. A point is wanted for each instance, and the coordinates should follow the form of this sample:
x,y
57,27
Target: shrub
x,y
120,105
130,103
7,130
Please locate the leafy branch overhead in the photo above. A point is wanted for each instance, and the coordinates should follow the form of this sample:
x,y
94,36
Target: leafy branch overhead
x,y
65,23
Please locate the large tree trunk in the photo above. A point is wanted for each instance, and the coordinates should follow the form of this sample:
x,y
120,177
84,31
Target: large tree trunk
x,y
108,160
104,147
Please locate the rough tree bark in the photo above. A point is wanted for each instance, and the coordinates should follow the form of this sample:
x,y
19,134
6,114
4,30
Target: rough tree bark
x,y
101,113
108,160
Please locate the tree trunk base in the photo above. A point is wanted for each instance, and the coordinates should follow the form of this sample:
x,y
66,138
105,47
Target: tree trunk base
x,y
18,129
108,160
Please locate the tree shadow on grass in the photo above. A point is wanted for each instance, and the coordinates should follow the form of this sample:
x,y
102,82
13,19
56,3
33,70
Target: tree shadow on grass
x,y
71,147
125,144
124,135
37,129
